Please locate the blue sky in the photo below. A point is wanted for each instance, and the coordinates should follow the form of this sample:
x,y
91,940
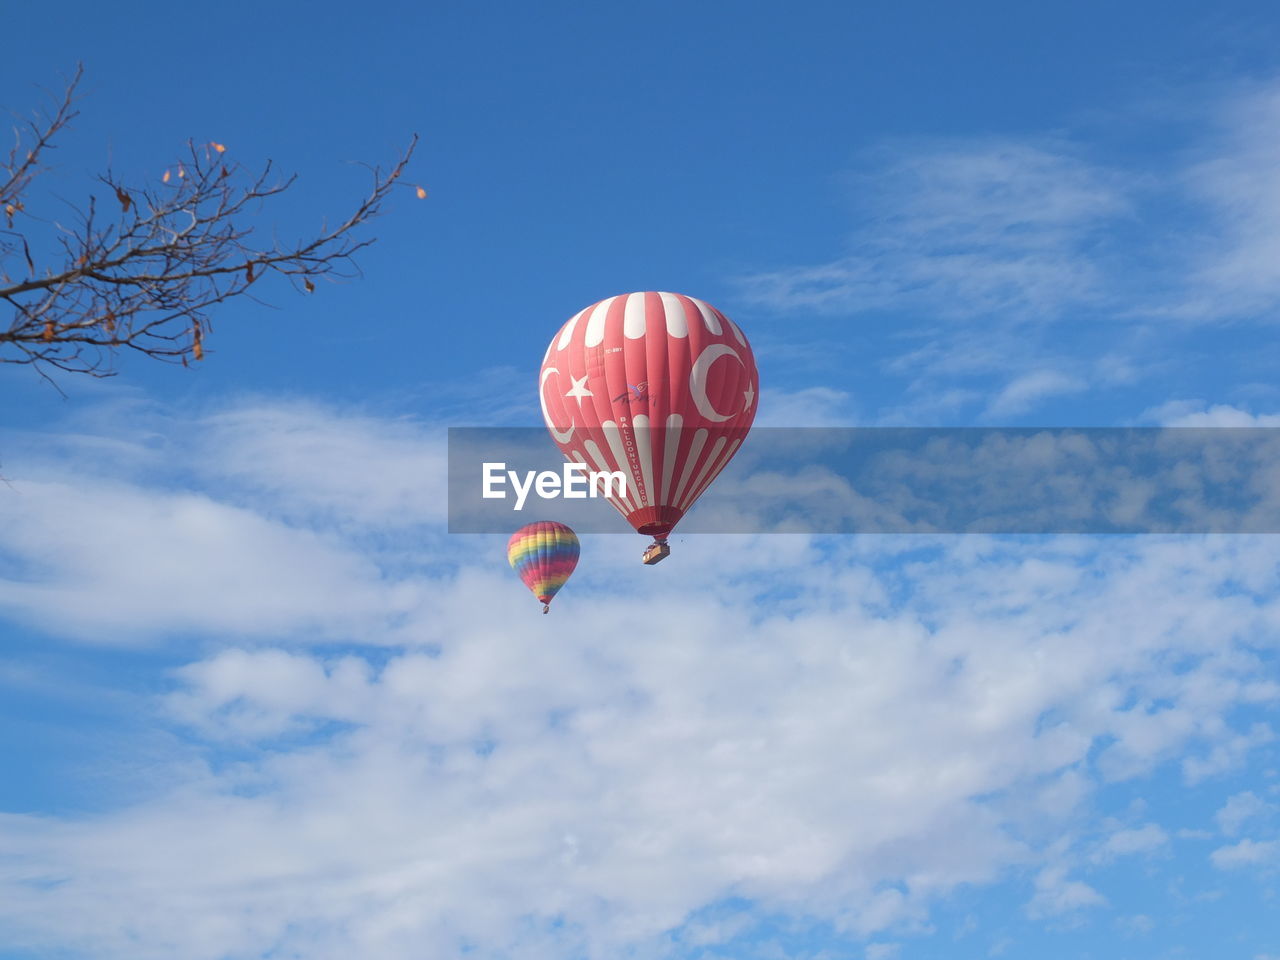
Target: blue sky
x,y
254,702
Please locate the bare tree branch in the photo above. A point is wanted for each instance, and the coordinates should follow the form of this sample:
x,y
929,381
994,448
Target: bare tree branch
x,y
22,165
146,277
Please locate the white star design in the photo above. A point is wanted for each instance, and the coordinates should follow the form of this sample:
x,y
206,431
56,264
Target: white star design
x,y
748,395
579,389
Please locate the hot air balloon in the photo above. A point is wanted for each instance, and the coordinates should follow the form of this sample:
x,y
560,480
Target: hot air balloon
x,y
544,555
659,386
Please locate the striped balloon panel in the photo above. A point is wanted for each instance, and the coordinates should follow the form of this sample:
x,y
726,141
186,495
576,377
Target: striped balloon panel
x,y
543,554
659,386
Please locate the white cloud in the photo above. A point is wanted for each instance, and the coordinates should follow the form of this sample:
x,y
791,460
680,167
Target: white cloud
x,y
709,931
1028,390
1239,273
1238,810
846,730
963,229
104,560
1228,753
809,407
1245,853
256,694
1197,413
1056,894
1025,261
1000,947
1146,839
1137,925
260,519
309,460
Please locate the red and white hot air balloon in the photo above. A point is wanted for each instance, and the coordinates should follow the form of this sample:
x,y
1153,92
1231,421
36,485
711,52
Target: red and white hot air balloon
x,y
659,386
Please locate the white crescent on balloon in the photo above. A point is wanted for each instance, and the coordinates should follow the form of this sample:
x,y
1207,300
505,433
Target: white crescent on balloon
x,y
698,380
561,436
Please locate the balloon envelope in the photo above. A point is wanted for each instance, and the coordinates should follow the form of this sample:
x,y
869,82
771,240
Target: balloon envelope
x,y
544,555
659,386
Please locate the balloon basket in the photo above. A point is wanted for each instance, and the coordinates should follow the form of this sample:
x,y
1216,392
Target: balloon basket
x,y
656,552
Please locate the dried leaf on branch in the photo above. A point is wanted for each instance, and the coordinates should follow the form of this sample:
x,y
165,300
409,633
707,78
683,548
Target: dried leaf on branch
x,y
146,278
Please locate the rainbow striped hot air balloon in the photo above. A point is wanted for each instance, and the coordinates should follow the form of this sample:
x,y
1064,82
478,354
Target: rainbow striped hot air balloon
x,y
544,555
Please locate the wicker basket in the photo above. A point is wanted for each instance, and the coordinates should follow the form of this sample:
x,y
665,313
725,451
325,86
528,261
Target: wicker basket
x,y
656,552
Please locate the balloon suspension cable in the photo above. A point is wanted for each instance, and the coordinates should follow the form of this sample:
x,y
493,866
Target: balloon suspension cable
x,y
546,608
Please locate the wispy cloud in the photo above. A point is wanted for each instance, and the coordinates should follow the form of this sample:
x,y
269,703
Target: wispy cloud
x,y
1245,853
986,264
1026,391
1133,841
1239,809
1197,413
807,407
310,460
1237,268
1058,895
960,230
107,560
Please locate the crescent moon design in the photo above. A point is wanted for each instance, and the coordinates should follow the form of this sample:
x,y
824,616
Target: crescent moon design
x,y
698,380
561,436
